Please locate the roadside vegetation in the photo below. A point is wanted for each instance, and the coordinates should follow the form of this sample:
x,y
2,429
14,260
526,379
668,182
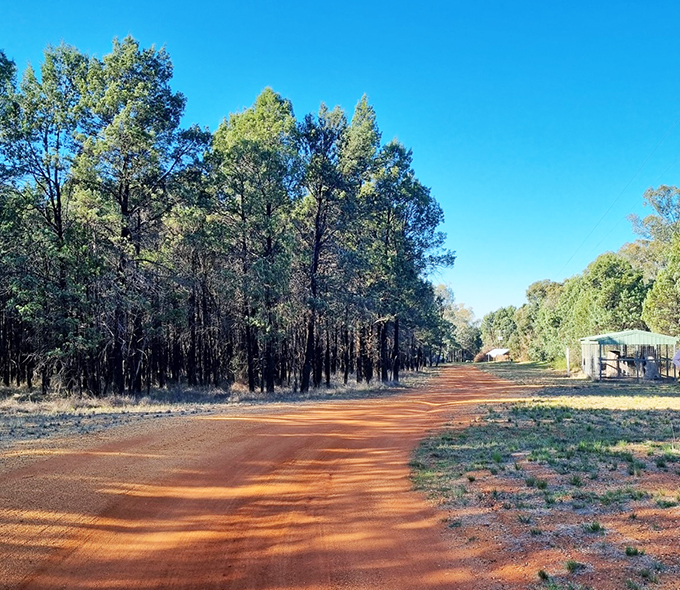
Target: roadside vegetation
x,y
589,472
32,415
277,252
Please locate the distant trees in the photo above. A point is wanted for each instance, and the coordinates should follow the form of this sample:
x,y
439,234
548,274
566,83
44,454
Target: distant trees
x,y
649,253
460,330
662,305
607,297
498,328
136,252
636,288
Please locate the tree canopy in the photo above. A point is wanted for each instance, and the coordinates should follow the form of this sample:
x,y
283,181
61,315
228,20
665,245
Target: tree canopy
x,y
138,252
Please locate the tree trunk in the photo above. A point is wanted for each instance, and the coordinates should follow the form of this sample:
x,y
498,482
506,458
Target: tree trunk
x,y
269,364
367,359
318,361
309,354
384,362
327,358
395,353
117,353
361,355
250,355
346,355
191,353
136,358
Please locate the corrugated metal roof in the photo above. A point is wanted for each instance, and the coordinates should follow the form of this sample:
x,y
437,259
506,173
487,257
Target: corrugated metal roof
x,y
631,338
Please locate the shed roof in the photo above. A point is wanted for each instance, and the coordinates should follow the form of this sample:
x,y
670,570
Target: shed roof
x,y
498,352
631,338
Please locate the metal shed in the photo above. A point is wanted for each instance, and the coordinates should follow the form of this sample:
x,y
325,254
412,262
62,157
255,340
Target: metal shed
x,y
631,353
498,354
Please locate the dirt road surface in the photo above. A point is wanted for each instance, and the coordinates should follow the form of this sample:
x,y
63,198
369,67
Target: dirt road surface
x,y
297,496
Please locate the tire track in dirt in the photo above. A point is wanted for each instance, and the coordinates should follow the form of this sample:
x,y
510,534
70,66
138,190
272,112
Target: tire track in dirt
x,y
313,496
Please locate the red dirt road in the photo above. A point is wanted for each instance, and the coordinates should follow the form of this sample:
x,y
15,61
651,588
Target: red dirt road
x,y
301,496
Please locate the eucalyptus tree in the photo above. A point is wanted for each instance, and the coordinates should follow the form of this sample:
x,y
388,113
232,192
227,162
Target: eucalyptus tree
x,y
256,181
608,296
656,231
661,307
461,330
498,329
612,295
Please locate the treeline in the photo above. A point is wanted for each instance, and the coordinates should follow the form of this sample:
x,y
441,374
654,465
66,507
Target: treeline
x,y
460,330
137,253
635,288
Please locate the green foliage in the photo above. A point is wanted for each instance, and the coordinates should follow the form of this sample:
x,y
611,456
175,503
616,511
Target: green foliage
x,y
634,289
574,567
137,252
460,330
649,254
7,68
593,527
607,297
499,330
255,163
662,305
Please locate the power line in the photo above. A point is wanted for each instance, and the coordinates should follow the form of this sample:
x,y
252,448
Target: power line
x,y
656,182
658,145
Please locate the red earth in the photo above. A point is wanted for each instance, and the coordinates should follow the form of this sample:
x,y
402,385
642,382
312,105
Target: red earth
x,y
284,496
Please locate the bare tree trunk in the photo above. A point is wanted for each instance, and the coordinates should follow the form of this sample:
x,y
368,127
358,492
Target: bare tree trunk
x,y
384,361
327,358
395,353
309,354
361,354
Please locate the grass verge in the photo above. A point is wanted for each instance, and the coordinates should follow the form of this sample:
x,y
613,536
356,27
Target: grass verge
x,y
570,469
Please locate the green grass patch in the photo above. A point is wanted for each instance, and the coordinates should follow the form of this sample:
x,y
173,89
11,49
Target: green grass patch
x,y
577,445
573,567
588,453
593,527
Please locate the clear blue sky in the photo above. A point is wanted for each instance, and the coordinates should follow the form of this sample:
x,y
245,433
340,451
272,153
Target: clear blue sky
x,y
530,121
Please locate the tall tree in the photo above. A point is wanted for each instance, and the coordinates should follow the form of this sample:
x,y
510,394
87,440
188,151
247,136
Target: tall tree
x,y
649,253
407,244
133,254
661,308
40,136
320,217
134,151
256,156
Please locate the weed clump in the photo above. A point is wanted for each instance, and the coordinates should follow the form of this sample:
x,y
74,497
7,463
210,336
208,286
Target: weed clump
x,y
574,566
593,527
